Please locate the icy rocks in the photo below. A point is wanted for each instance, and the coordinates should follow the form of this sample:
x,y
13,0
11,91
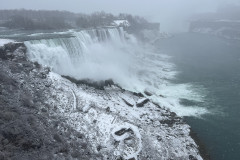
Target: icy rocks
x,y
130,102
8,50
141,102
148,93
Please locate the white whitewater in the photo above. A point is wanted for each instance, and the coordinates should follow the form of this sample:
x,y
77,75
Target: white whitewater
x,y
110,53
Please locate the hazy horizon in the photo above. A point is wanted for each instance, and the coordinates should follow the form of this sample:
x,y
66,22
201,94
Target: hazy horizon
x,y
173,15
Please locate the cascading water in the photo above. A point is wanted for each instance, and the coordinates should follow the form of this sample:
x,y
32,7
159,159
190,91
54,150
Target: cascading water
x,y
69,56
101,54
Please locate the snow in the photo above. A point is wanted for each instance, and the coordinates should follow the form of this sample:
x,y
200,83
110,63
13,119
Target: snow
x,y
5,41
121,22
100,114
74,97
131,151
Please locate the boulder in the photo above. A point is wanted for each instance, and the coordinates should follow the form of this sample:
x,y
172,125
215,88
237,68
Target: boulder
x,y
142,102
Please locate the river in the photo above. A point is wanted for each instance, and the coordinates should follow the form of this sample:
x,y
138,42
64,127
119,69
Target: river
x,y
212,65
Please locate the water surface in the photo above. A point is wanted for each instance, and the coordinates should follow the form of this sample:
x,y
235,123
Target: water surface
x,y
211,64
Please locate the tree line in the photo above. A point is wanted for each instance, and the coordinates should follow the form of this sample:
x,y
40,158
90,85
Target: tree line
x,y
43,19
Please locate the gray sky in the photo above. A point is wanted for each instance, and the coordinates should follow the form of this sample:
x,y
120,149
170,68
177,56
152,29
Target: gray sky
x,y
172,14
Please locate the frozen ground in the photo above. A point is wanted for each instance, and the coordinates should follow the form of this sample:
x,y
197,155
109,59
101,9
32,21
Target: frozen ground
x,y
45,116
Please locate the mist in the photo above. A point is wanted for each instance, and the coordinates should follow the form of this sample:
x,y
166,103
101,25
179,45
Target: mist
x,y
173,15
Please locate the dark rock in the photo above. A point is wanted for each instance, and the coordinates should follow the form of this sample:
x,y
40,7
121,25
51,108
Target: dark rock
x,y
148,93
31,144
127,103
99,147
157,105
169,122
162,96
57,138
138,94
64,149
109,82
142,102
37,65
173,114
108,109
80,135
191,157
119,158
159,138
44,110
123,131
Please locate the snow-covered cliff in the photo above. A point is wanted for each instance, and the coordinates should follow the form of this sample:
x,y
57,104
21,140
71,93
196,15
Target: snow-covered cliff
x,y
45,116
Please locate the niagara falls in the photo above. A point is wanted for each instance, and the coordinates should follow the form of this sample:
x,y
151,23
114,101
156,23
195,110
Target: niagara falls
x,y
119,80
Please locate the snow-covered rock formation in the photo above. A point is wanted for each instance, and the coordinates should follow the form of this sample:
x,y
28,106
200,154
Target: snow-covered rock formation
x,y
46,116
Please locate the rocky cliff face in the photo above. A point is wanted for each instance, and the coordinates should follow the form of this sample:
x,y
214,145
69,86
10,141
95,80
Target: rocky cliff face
x,y
46,116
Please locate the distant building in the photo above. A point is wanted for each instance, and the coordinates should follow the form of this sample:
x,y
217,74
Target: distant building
x,y
121,23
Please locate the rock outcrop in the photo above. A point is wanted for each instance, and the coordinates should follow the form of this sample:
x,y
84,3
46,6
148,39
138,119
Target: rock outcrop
x,y
46,116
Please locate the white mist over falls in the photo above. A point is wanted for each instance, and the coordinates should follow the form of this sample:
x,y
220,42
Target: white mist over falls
x,y
111,53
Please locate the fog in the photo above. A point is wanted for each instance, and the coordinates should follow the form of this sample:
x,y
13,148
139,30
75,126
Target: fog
x,y
172,14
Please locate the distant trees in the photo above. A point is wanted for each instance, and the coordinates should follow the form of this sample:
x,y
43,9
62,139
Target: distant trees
x,y
41,19
138,23
27,23
19,22
96,19
30,19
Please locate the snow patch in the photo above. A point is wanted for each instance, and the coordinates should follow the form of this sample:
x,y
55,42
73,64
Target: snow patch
x,y
128,149
5,41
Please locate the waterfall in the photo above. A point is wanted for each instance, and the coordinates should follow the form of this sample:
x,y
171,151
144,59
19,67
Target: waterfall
x,y
101,54
83,55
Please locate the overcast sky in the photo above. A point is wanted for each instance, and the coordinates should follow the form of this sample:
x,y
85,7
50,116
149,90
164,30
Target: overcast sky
x,y
172,14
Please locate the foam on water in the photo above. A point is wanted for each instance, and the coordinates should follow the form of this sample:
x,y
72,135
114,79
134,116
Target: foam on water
x,y
101,54
171,95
